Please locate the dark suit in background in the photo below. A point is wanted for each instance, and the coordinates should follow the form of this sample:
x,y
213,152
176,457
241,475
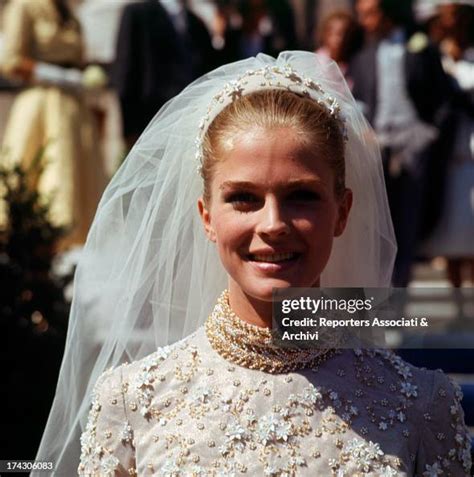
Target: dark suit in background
x,y
260,26
426,81
155,61
428,90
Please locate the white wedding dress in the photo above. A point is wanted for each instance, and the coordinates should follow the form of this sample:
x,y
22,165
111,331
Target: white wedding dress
x,y
187,411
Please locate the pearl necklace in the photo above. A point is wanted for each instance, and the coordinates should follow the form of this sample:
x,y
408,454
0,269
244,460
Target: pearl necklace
x,y
252,346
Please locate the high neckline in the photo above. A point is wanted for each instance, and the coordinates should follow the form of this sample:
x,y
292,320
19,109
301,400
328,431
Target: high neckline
x,y
252,346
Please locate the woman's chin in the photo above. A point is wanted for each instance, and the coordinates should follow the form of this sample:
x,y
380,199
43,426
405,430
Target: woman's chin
x,y
264,292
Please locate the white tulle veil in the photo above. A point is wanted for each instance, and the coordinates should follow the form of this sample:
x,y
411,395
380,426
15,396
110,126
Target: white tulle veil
x,y
149,277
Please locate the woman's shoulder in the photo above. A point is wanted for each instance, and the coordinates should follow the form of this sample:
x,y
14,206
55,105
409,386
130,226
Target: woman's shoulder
x,y
445,443
430,379
424,394
418,382
144,369
433,405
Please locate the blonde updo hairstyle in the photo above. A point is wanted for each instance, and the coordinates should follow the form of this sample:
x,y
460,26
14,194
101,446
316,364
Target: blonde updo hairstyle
x,y
272,109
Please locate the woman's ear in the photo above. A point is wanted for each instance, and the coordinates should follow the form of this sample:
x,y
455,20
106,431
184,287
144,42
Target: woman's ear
x,y
345,205
206,220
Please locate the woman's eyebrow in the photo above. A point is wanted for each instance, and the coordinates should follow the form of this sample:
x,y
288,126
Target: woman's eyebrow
x,y
304,182
238,184
291,183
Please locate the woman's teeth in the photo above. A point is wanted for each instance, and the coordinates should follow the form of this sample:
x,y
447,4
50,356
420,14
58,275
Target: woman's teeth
x,y
274,258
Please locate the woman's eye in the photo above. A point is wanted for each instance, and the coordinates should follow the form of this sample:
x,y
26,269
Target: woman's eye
x,y
304,195
243,201
241,197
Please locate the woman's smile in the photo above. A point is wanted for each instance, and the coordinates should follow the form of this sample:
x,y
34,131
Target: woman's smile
x,y
274,263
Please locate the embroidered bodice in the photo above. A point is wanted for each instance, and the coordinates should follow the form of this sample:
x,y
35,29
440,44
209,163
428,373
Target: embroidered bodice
x,y
186,410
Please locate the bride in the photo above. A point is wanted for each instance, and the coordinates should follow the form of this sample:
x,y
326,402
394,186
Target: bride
x,y
177,301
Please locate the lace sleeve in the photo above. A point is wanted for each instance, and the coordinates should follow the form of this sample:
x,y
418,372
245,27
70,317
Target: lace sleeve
x,y
445,443
107,447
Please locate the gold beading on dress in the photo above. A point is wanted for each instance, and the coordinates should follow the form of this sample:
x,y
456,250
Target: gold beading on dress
x,y
253,347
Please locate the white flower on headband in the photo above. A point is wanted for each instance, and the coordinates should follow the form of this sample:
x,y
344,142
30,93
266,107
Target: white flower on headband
x,y
268,77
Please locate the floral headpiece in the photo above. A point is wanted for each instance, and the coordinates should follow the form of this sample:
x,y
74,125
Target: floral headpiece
x,y
268,77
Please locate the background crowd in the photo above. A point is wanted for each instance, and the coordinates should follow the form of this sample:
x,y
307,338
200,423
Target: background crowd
x,y
81,80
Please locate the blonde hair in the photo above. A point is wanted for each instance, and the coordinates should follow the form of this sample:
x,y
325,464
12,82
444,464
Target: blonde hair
x,y
272,109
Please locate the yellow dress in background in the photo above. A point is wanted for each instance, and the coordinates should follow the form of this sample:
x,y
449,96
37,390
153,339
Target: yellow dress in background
x,y
54,116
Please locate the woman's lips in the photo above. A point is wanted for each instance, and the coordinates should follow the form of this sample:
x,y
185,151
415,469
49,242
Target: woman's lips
x,y
275,262
272,257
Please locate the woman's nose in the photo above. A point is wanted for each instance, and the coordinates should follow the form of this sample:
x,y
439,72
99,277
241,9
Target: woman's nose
x,y
272,221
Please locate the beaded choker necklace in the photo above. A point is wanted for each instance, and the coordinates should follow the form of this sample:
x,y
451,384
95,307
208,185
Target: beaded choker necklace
x,y
252,346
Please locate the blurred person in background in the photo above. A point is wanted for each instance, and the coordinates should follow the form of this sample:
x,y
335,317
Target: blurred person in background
x,y
311,14
339,39
426,14
43,50
400,83
161,47
453,237
256,26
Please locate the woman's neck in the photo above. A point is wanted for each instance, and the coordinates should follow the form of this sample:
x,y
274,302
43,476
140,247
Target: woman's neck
x,y
249,309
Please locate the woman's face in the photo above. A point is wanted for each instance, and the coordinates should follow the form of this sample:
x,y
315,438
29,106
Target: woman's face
x,y
273,212
334,37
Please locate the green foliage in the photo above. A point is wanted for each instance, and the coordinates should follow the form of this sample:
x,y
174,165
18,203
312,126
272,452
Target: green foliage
x,y
30,297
